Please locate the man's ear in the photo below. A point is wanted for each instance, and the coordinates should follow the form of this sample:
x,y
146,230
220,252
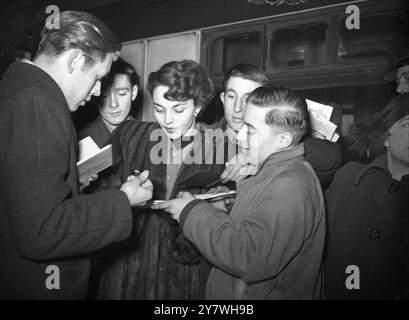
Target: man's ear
x,y
286,140
115,56
222,97
385,139
134,92
76,60
197,110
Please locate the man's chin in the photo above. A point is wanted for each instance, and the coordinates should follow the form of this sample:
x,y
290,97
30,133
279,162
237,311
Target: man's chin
x,y
172,136
236,126
74,107
114,122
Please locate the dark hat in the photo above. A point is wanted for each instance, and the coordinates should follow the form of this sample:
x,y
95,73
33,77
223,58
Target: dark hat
x,y
395,110
397,60
367,136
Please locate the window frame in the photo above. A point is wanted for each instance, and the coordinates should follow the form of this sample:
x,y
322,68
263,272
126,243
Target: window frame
x,y
333,74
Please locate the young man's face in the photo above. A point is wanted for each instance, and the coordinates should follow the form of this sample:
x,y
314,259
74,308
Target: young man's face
x,y
86,82
402,79
397,141
256,138
117,101
175,117
234,99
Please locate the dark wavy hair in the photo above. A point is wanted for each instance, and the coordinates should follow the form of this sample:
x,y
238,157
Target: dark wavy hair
x,y
287,110
120,67
245,71
79,30
186,80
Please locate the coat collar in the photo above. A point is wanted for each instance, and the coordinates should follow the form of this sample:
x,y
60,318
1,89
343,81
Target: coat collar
x,y
379,163
282,156
222,123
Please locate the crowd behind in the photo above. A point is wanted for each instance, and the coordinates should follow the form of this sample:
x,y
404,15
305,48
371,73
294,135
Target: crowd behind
x,y
302,224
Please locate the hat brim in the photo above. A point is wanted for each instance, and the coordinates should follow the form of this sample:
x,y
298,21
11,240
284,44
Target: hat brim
x,y
390,74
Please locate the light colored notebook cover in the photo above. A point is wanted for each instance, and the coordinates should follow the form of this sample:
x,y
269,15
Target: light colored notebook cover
x,y
92,159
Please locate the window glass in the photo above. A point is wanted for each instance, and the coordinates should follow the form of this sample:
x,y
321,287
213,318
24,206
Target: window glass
x,y
375,37
297,46
231,50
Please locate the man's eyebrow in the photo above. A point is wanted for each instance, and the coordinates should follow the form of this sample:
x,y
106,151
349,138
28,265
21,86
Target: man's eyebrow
x,y
402,74
122,88
230,89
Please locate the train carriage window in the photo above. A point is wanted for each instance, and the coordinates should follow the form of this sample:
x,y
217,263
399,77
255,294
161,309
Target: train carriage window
x,y
376,35
231,50
298,46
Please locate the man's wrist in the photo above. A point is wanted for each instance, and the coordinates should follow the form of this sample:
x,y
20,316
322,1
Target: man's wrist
x,y
186,210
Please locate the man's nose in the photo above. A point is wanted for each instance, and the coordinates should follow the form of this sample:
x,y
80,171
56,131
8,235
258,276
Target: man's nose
x,y
96,89
403,86
239,104
114,101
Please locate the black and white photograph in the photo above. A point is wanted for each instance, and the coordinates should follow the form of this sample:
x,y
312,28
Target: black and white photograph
x,y
204,155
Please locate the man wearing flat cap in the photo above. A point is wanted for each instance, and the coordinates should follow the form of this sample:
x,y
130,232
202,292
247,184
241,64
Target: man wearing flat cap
x,y
368,217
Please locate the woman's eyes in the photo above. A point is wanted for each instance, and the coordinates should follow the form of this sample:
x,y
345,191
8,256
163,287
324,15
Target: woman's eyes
x,y
176,110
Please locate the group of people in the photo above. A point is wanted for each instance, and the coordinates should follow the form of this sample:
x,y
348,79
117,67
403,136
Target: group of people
x,y
290,232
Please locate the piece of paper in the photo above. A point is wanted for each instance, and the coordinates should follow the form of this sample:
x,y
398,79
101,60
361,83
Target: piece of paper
x,y
319,110
321,126
92,159
335,137
209,196
205,196
86,148
322,129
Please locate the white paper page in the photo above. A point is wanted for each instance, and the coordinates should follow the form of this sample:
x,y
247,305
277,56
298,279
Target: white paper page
x,y
319,110
86,148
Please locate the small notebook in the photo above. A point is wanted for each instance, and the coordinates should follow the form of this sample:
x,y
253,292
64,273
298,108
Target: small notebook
x,y
92,158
